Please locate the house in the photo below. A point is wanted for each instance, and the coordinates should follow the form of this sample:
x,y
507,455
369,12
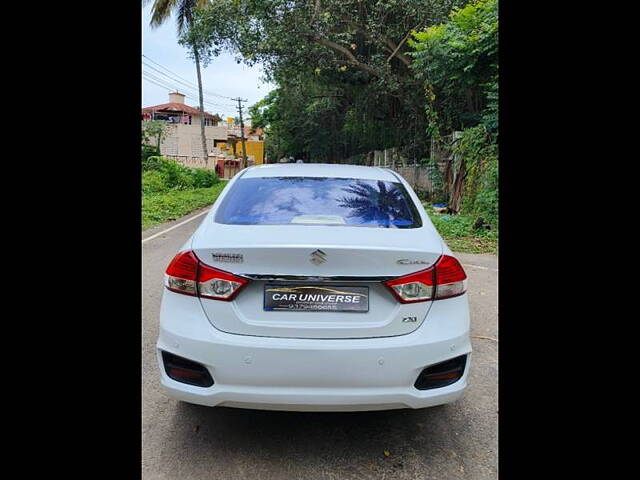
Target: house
x,y
176,111
254,142
183,140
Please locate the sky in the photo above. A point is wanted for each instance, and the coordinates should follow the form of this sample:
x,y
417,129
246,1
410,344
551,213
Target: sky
x,y
222,76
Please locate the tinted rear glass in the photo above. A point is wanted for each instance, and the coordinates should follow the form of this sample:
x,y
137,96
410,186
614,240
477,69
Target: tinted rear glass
x,y
318,201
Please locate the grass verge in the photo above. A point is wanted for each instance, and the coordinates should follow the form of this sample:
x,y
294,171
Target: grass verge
x,y
167,206
458,232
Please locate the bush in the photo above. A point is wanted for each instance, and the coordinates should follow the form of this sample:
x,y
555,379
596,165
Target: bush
x,y
161,174
152,162
153,182
203,178
176,176
486,202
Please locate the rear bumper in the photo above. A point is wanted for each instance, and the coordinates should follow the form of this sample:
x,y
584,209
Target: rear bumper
x,y
315,400
313,374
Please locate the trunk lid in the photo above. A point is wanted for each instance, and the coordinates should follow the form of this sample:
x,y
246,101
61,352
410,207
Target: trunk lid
x,y
314,255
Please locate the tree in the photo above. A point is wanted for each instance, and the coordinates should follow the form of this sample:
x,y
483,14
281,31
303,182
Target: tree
x,y
457,61
341,66
184,11
458,64
154,129
366,35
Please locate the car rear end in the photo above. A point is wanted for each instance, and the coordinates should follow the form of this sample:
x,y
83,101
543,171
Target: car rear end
x,y
311,287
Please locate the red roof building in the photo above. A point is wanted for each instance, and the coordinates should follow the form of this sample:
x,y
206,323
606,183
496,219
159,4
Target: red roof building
x,y
182,140
176,111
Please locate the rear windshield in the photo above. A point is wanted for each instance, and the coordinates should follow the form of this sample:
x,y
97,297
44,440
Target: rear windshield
x,y
318,201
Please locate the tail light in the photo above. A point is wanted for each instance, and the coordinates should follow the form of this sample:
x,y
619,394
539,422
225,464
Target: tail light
x,y
445,279
186,274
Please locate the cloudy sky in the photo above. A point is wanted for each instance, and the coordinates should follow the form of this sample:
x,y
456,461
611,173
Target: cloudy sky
x,y
223,76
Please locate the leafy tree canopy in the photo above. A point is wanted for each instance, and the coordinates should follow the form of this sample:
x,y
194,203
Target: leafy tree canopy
x,y
342,67
359,75
155,129
458,61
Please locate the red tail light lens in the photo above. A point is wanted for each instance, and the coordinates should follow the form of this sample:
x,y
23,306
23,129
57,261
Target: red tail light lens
x,y
415,287
445,279
218,284
450,277
182,272
186,274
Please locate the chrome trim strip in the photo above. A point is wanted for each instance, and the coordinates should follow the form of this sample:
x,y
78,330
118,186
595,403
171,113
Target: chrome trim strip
x,y
304,278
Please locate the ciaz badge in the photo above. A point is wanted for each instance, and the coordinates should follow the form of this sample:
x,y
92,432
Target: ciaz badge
x,y
406,261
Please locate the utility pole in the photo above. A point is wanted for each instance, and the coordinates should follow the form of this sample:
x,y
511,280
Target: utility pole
x,y
244,149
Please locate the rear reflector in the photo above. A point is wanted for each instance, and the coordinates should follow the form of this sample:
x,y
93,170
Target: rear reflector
x,y
445,279
186,274
441,374
186,371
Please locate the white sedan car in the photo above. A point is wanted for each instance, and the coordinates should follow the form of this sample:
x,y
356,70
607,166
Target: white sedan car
x,y
315,287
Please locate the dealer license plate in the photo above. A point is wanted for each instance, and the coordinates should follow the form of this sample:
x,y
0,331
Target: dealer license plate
x,y
316,298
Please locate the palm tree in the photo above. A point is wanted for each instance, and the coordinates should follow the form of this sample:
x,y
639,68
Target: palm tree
x,y
184,11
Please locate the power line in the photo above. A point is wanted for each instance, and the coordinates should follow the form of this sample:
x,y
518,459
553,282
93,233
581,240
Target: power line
x,y
178,76
160,84
194,91
163,83
168,88
171,72
191,92
183,85
168,76
162,80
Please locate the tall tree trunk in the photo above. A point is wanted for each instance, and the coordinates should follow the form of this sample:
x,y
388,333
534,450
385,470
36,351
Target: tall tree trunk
x,y
204,138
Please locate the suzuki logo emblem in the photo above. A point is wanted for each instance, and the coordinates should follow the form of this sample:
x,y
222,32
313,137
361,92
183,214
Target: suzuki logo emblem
x,y
318,257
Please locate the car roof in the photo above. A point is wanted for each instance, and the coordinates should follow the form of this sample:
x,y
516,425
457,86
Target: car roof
x,y
331,170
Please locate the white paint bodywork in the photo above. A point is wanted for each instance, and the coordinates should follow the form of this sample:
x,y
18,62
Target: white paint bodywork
x,y
315,360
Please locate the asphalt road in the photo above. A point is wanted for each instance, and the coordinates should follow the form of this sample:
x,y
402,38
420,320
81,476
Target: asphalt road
x,y
455,441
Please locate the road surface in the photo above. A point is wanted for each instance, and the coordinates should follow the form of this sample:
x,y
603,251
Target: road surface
x,y
456,441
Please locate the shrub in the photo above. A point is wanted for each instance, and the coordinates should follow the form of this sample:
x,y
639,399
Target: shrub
x,y
159,171
203,178
486,202
153,182
152,162
176,176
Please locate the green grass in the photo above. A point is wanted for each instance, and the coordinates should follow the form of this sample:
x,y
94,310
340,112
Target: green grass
x,y
458,232
166,206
